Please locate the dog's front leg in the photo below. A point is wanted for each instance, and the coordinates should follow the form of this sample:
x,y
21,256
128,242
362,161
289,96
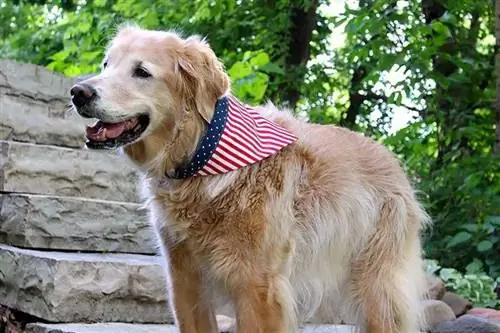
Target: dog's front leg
x,y
193,312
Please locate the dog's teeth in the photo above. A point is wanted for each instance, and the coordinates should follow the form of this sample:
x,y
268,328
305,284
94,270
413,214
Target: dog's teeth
x,y
102,133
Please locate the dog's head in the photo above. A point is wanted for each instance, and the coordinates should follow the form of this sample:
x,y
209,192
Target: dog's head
x,y
152,84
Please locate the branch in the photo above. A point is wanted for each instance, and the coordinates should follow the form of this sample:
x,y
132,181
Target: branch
x,y
374,96
474,27
355,98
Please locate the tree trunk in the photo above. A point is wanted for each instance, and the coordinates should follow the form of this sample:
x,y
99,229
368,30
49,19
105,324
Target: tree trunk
x,y
356,98
445,103
303,22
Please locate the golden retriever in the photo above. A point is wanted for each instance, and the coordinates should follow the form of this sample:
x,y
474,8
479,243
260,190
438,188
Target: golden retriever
x,y
325,230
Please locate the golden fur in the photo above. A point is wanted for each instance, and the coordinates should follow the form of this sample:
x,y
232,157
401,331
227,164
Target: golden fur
x,y
327,230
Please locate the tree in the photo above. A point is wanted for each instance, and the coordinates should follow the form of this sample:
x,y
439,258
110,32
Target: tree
x,y
266,38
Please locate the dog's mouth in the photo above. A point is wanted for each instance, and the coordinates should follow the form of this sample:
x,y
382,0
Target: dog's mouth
x,y
113,135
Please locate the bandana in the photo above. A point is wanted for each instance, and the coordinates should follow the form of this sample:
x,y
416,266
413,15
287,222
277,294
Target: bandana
x,y
237,136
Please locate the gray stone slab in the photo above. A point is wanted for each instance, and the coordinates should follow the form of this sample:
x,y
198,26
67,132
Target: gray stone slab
x,y
84,287
68,223
135,328
34,104
34,81
33,120
99,328
40,169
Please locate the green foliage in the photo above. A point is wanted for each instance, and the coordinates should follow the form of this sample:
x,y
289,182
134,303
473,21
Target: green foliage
x,y
249,76
474,285
446,64
73,41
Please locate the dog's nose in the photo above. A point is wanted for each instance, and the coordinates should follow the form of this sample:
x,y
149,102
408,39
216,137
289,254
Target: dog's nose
x,y
82,94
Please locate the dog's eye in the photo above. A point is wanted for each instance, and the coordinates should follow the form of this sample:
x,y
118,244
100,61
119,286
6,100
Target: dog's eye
x,y
141,72
104,65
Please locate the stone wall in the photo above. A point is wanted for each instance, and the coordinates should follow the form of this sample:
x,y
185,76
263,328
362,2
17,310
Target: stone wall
x,y
74,244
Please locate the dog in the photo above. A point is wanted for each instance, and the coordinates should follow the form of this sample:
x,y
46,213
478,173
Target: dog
x,y
286,221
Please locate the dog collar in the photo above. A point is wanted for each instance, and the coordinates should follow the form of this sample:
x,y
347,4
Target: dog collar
x,y
237,136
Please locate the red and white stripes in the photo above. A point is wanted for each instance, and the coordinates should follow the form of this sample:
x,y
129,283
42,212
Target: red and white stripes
x,y
247,138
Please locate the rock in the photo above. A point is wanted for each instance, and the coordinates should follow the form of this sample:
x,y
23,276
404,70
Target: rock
x,y
68,223
328,329
466,324
34,105
490,314
457,303
34,81
136,328
37,169
435,287
99,328
31,120
84,287
436,312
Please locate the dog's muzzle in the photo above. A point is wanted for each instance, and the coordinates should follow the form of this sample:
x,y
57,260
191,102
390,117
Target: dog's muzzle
x,y
82,95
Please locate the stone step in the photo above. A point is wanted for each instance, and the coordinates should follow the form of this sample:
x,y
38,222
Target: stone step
x,y
137,328
75,224
33,106
41,169
84,287
34,81
33,120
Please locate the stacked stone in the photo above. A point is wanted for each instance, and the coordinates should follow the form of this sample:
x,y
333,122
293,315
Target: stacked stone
x,y
74,244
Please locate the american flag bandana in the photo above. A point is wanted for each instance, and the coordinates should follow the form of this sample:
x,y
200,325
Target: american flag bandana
x,y
237,136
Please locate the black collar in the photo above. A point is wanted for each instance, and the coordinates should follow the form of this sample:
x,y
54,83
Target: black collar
x,y
207,144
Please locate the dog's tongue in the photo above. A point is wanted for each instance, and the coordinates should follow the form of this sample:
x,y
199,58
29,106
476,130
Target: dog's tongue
x,y
104,131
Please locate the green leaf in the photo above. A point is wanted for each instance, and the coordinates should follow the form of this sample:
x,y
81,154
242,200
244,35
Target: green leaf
x,y
260,59
470,227
449,274
459,238
90,56
484,246
271,67
84,26
431,266
475,266
239,70
441,28
355,25
259,86
493,220
99,3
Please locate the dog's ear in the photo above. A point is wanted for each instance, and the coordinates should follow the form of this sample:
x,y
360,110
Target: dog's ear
x,y
203,75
